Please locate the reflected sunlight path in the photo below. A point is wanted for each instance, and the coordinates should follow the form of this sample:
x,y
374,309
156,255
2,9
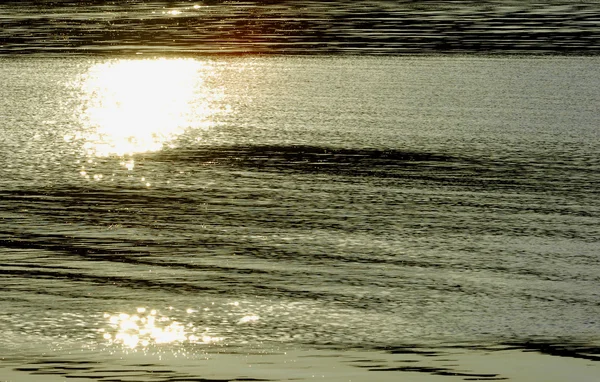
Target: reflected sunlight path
x,y
133,106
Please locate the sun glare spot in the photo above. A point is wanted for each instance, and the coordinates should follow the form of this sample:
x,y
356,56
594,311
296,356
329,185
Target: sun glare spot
x,y
145,329
246,319
132,106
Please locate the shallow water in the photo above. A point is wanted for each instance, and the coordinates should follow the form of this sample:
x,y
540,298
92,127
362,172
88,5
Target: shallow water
x,y
184,208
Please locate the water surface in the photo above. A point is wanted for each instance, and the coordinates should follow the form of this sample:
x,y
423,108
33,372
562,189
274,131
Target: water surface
x,y
376,27
187,209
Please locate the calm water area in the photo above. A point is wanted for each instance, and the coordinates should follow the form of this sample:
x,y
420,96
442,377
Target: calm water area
x,y
202,217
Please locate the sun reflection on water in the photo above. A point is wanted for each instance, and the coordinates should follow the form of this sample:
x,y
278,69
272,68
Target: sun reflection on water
x,y
133,106
149,327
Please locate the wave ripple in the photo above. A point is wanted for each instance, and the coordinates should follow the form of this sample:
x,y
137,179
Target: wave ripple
x,y
300,27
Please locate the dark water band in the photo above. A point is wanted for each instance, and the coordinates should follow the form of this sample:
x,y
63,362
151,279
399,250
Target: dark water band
x,y
300,27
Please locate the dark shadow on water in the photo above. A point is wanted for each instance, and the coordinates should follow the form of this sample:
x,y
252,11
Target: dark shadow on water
x,y
296,154
386,163
477,173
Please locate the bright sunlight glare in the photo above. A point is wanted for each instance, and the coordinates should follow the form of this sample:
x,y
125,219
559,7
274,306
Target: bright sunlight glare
x,y
132,106
149,327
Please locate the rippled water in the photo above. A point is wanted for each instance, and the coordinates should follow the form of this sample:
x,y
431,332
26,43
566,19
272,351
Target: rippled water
x,y
300,27
172,213
278,209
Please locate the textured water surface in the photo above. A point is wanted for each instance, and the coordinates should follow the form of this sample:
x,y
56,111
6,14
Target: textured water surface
x,y
300,27
190,209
